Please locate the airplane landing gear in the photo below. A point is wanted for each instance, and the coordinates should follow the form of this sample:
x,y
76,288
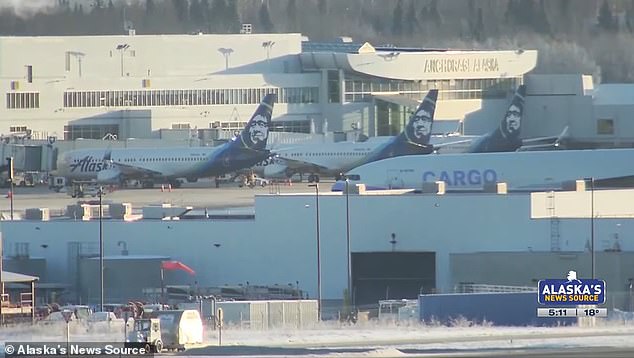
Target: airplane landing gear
x,y
147,184
175,183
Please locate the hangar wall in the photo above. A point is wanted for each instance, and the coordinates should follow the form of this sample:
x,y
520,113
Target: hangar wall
x,y
279,246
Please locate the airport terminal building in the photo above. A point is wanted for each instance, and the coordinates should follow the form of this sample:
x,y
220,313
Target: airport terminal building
x,y
215,81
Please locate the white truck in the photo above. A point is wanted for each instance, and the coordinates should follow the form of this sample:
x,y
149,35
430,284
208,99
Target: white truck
x,y
171,330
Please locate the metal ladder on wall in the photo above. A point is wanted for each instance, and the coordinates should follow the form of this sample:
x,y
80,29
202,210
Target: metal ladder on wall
x,y
555,236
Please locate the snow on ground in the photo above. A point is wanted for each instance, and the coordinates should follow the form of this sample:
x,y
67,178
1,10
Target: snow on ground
x,y
336,334
378,339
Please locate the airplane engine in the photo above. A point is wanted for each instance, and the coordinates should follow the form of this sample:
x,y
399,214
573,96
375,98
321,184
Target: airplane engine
x,y
109,176
275,171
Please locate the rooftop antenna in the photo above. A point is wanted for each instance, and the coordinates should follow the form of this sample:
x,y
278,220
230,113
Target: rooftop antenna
x,y
128,26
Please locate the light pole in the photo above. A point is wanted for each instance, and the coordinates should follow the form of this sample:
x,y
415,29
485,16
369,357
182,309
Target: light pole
x,y
226,52
316,186
101,294
268,45
11,174
122,48
78,55
349,273
592,258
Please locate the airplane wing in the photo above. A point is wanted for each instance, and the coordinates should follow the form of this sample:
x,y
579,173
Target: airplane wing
x,y
131,171
283,159
128,170
448,144
543,142
295,164
451,141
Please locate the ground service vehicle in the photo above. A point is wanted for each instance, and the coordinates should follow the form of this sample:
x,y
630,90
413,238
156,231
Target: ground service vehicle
x,y
146,334
170,329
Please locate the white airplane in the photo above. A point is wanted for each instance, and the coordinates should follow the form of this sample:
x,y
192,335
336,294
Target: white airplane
x,y
531,170
148,165
335,158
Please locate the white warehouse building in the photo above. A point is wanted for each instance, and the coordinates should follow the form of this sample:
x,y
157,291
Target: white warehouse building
x,y
400,244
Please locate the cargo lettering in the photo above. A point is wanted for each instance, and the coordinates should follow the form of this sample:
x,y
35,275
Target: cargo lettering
x,y
462,177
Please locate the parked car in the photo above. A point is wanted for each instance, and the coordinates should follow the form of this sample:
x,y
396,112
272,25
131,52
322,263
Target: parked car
x,y
81,311
57,318
105,320
252,181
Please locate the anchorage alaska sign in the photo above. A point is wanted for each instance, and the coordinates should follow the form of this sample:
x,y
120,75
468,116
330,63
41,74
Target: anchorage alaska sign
x,y
442,65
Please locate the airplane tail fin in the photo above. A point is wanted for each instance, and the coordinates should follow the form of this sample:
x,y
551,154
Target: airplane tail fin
x,y
414,139
107,157
511,124
418,128
256,133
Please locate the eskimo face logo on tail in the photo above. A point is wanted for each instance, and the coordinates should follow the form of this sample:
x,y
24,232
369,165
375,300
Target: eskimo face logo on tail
x,y
258,130
88,165
512,118
256,133
421,125
418,128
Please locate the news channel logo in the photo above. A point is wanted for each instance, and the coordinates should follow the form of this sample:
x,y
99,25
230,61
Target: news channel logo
x,y
571,291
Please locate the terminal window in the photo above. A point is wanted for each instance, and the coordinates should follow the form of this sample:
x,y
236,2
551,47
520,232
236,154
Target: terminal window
x,y
16,129
188,97
359,88
333,86
23,100
181,126
72,132
605,126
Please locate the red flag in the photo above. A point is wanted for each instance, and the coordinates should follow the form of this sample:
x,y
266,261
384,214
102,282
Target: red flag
x,y
177,265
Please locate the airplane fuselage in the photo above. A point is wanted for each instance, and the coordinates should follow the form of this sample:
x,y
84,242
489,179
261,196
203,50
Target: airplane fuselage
x,y
324,158
539,170
84,164
163,163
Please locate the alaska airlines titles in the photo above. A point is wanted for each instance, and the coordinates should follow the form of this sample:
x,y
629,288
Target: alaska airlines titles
x,y
88,164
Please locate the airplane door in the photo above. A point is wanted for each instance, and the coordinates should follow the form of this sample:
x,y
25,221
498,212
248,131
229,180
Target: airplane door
x,y
394,180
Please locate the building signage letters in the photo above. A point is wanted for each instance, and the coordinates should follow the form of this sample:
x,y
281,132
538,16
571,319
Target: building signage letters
x,y
442,65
